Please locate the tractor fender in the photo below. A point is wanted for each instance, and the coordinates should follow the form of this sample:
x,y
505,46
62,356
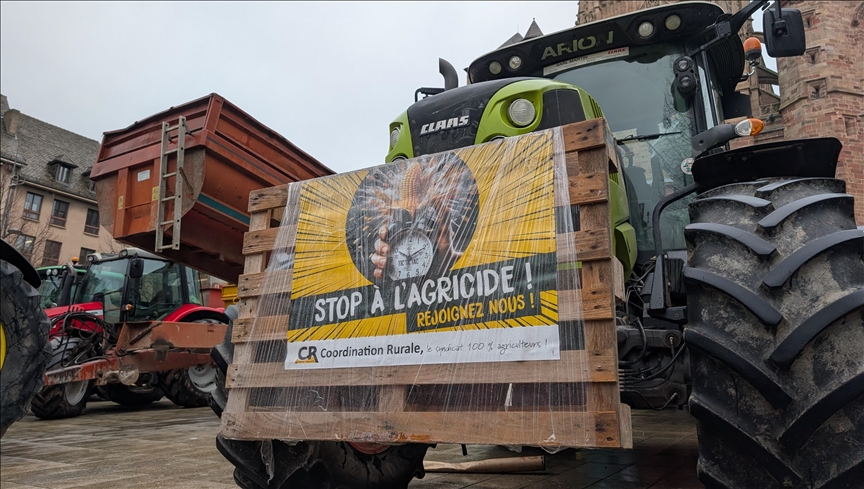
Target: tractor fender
x,y
814,157
191,312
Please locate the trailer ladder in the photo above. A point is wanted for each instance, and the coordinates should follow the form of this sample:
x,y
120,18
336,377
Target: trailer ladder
x,y
164,175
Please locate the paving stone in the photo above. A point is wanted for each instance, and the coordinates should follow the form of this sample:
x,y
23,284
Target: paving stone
x,y
162,446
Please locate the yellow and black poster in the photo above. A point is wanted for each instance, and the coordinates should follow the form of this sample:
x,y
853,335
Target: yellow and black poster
x,y
445,258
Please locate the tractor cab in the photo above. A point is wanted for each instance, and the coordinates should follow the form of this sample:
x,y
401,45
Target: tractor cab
x,y
135,285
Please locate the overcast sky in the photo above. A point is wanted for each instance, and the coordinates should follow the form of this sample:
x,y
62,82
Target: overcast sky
x,y
330,77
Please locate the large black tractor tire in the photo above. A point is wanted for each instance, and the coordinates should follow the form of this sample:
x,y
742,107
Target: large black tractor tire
x,y
190,387
308,465
24,344
131,395
182,389
775,291
63,400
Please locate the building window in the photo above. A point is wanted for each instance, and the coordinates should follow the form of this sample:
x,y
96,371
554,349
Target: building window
x,y
24,244
91,185
32,206
84,253
59,213
63,173
91,226
51,256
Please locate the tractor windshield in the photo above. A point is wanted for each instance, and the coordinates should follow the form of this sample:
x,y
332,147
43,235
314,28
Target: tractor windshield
x,y
101,279
103,282
158,292
653,125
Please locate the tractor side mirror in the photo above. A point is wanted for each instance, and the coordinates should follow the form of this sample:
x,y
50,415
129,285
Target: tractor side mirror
x,y
784,32
136,268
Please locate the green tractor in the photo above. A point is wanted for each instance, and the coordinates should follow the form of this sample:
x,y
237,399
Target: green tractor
x,y
746,281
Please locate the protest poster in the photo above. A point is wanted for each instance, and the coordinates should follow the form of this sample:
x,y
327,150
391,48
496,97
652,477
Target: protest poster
x,y
445,258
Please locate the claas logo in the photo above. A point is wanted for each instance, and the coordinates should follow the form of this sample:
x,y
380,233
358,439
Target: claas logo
x,y
307,354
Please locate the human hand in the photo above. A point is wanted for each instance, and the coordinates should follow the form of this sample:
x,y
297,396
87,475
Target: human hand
x,y
379,258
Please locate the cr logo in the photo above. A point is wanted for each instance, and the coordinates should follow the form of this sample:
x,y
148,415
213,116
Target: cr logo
x,y
307,354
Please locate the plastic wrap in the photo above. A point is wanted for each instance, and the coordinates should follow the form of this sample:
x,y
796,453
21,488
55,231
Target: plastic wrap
x,y
430,300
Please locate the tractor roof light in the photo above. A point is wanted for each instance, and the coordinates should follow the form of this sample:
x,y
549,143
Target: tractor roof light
x,y
515,63
749,127
494,67
752,49
394,137
673,22
646,29
521,112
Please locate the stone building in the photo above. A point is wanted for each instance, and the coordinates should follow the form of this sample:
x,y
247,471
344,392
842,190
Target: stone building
x,y
821,92
48,205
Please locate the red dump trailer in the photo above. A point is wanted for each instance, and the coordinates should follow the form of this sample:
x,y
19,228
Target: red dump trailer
x,y
197,161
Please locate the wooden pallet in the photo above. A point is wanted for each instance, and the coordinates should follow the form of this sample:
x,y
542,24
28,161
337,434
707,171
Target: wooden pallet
x,y
576,398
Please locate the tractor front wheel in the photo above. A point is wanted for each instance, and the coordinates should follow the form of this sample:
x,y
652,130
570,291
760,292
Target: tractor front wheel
x,y
189,387
24,348
63,400
775,291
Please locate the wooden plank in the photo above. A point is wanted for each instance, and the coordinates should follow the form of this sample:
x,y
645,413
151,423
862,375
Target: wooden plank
x,y
391,399
589,188
574,366
247,308
591,160
600,334
618,279
603,397
265,240
625,426
596,303
595,216
584,135
267,328
499,428
276,282
268,198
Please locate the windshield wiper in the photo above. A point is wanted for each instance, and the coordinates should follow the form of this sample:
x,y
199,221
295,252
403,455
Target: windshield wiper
x,y
647,136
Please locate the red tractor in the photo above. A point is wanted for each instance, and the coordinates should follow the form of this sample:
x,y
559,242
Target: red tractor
x,y
136,331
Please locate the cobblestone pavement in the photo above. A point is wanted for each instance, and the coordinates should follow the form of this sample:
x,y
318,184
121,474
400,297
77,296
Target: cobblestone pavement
x,y
162,446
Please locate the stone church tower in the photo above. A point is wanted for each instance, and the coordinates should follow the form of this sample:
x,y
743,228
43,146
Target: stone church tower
x,y
821,92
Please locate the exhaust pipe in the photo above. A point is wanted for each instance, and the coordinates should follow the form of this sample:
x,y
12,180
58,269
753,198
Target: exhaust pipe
x,y
451,78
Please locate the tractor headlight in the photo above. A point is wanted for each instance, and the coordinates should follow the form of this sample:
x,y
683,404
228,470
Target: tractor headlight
x,y
673,22
521,112
494,67
394,137
646,29
515,62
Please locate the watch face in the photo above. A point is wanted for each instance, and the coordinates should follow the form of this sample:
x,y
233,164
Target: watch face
x,y
410,255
